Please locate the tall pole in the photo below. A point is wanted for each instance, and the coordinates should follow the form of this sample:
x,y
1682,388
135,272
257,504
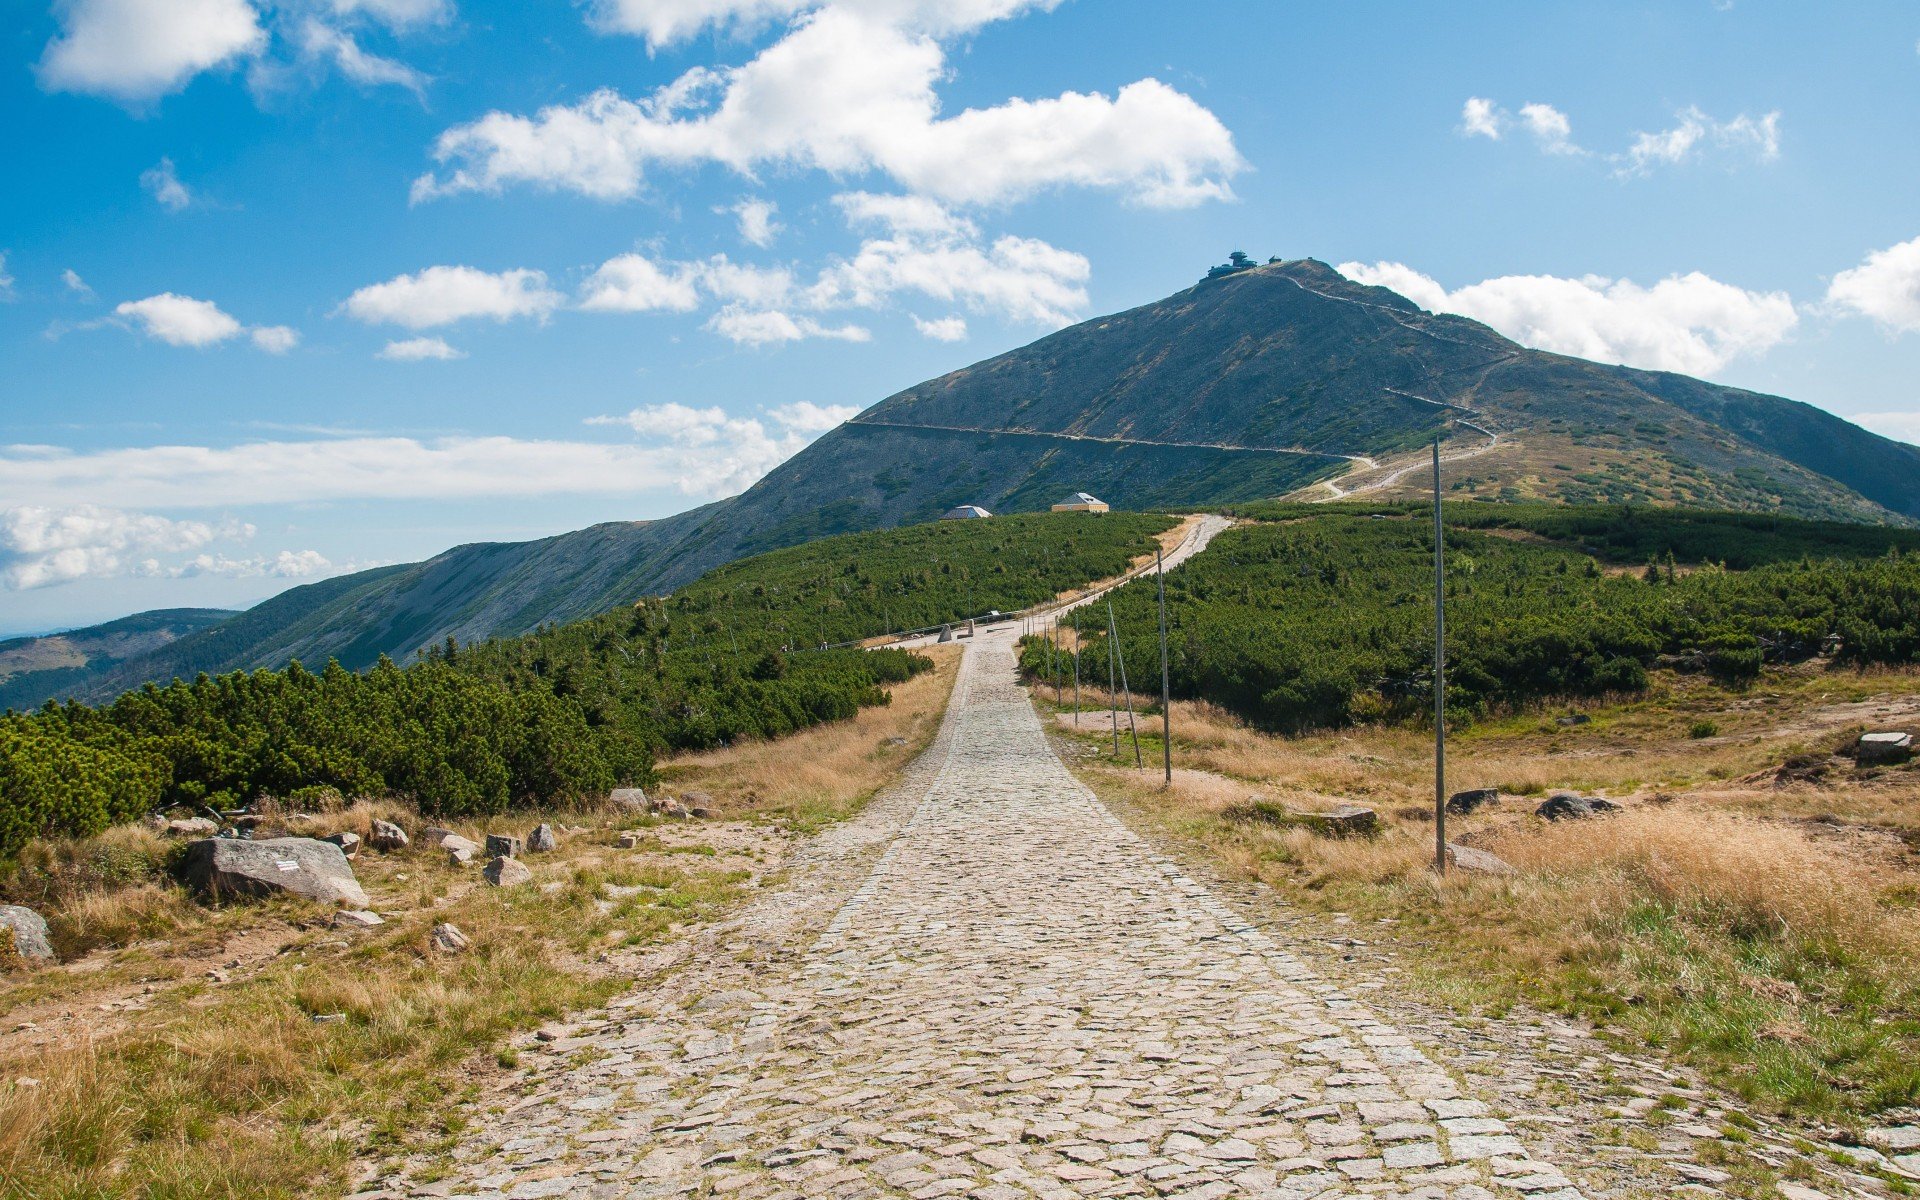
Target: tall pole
x,y
1133,729
1439,675
1166,702
1113,689
1076,668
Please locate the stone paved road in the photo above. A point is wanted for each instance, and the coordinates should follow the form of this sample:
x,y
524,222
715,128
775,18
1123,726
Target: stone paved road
x,y
1020,998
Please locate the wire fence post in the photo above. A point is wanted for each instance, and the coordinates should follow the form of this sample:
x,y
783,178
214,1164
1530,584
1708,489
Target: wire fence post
x,y
1166,702
1133,730
1439,675
1076,668
1113,691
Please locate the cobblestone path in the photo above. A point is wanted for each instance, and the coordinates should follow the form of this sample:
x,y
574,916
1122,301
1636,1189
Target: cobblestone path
x,y
1020,998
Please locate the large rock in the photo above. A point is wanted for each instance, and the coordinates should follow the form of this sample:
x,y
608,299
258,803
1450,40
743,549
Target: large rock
x,y
1348,820
1891,746
1462,803
385,835
447,839
506,872
542,840
296,866
501,845
191,827
1477,862
28,931
630,798
348,841
697,804
1565,806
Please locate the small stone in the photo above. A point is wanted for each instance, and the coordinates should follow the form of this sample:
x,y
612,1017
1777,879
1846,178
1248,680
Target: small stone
x,y
385,835
1564,806
1477,862
191,827
542,840
501,845
329,1018
1891,746
1795,1191
459,856
630,839
506,872
1462,803
1701,1174
447,839
348,842
357,919
448,939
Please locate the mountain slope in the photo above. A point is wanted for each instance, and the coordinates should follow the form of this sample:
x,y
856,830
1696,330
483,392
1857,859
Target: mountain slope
x,y
1283,379
32,668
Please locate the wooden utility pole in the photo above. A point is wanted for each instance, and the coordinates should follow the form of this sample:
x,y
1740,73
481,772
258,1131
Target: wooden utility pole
x,y
1439,675
1166,701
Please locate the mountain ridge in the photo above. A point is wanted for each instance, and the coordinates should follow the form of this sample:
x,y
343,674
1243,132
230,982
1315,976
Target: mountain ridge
x,y
1284,379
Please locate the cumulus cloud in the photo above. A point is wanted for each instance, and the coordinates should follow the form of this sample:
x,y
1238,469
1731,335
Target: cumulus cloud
x,y
943,329
635,283
762,327
710,452
6,280
1884,288
420,349
1689,323
321,41
287,564
1692,134
757,226
397,14
162,182
804,416
75,284
664,22
850,88
137,50
444,295
41,545
184,321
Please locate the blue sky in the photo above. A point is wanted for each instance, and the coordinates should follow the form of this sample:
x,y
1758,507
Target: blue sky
x,y
291,288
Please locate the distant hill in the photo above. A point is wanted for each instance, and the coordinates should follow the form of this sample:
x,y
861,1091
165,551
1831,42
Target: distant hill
x,y
1280,380
32,668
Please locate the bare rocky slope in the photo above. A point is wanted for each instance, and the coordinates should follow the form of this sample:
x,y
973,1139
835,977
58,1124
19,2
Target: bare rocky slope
x,y
1269,381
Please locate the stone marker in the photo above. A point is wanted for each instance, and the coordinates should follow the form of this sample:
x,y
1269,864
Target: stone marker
x,y
541,840
305,867
628,797
1477,862
29,932
447,939
191,827
1888,747
1462,803
357,919
501,845
506,872
385,835
348,842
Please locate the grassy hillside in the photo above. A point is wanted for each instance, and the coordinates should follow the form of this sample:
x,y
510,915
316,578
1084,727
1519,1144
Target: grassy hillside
x,y
31,668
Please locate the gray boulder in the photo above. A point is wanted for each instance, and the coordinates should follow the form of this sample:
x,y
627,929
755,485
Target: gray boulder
x,y
1565,806
1477,862
348,842
1571,720
630,797
29,932
506,872
1891,746
460,856
1462,803
1348,820
501,845
354,919
305,867
448,939
447,839
191,827
541,840
385,835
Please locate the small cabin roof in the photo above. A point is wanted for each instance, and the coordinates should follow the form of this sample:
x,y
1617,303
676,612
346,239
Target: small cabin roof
x,y
965,512
1081,498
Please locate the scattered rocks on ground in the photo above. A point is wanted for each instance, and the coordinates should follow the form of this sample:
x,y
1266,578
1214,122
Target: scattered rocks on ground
x,y
357,919
447,939
1477,862
460,856
385,835
1462,803
348,842
631,797
305,867
697,804
447,839
542,840
191,827
28,930
1891,746
501,845
506,872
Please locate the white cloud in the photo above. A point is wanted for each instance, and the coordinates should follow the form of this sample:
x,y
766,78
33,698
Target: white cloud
x,y
163,183
635,283
319,40
181,320
275,339
1885,288
849,89
804,416
184,321
74,283
1689,323
6,280
134,50
757,226
750,327
1550,127
287,564
1756,137
1480,117
444,295
420,349
41,545
1900,426
397,14
664,22
711,453
943,329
